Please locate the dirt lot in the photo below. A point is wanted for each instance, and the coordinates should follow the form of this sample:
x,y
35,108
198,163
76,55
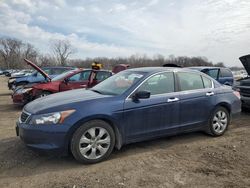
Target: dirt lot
x,y
190,160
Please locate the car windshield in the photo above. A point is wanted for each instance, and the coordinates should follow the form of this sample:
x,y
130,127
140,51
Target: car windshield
x,y
119,83
62,76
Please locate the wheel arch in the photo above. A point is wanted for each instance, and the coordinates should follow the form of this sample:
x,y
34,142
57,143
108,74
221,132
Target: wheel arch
x,y
224,105
110,121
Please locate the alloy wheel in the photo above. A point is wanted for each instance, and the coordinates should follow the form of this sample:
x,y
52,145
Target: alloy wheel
x,y
94,143
220,121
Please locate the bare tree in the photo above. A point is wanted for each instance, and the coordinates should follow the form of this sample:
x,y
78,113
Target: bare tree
x,y
46,60
62,50
29,52
10,50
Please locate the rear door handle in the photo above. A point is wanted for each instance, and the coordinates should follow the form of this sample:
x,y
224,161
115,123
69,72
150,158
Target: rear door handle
x,y
210,93
173,99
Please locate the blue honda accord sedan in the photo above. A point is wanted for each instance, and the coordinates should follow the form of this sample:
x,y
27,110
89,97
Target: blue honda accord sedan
x,y
131,106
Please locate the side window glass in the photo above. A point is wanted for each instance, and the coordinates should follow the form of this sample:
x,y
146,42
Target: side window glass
x,y
100,76
190,81
159,84
213,73
225,73
75,77
85,75
207,82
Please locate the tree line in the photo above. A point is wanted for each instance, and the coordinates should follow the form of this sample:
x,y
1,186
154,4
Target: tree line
x,y
13,51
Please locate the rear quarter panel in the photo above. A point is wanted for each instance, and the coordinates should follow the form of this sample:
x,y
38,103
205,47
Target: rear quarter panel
x,y
226,98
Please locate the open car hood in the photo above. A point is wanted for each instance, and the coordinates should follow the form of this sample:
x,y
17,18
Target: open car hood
x,y
45,75
245,60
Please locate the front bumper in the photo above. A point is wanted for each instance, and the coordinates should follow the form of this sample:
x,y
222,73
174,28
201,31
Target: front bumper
x,y
44,138
20,98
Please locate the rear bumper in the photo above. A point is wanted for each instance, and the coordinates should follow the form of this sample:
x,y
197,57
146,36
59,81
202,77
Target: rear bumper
x,y
44,138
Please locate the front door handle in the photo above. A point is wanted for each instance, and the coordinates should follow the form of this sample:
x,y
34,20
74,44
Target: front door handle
x,y
83,85
210,93
173,99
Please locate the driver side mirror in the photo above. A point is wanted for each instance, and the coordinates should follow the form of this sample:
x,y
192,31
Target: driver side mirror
x,y
66,81
141,95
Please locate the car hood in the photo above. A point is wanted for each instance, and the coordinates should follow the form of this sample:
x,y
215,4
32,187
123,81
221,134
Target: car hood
x,y
61,100
45,75
245,60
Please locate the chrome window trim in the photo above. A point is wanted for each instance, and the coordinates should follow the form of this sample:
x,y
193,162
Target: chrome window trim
x,y
177,92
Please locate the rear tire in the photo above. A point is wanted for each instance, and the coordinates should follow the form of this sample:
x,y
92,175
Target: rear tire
x,y
219,122
93,142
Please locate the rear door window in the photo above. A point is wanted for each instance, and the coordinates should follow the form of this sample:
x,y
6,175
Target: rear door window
x,y
189,81
207,82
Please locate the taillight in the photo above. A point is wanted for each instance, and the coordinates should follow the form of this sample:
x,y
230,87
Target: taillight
x,y
237,94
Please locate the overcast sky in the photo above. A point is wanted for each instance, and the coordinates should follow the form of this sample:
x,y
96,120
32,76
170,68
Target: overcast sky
x,y
217,29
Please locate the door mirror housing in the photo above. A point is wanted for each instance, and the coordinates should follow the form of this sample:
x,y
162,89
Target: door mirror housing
x,y
141,95
66,80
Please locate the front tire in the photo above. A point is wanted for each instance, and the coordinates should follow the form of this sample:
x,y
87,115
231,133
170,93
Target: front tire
x,y
219,122
93,142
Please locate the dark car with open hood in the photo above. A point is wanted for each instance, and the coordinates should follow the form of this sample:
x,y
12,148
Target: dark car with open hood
x,y
244,85
39,75
130,106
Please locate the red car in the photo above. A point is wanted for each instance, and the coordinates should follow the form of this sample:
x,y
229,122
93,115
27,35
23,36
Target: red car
x,y
75,79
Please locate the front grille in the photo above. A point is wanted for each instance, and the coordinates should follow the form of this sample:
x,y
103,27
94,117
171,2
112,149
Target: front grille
x,y
24,116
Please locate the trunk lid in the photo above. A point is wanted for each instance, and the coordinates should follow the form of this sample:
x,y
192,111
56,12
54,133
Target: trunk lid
x,y
245,60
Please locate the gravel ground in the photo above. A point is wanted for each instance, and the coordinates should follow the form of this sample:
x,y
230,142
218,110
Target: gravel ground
x,y
189,160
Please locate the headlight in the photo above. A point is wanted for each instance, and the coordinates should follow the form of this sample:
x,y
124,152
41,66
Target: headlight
x,y
26,90
51,118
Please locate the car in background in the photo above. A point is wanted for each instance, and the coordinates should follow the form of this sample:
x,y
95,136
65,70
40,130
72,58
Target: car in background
x,y
221,74
21,73
244,84
74,79
131,106
8,72
120,67
37,76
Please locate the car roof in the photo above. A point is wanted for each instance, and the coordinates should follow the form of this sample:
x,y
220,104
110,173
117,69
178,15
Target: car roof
x,y
206,67
59,67
160,69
